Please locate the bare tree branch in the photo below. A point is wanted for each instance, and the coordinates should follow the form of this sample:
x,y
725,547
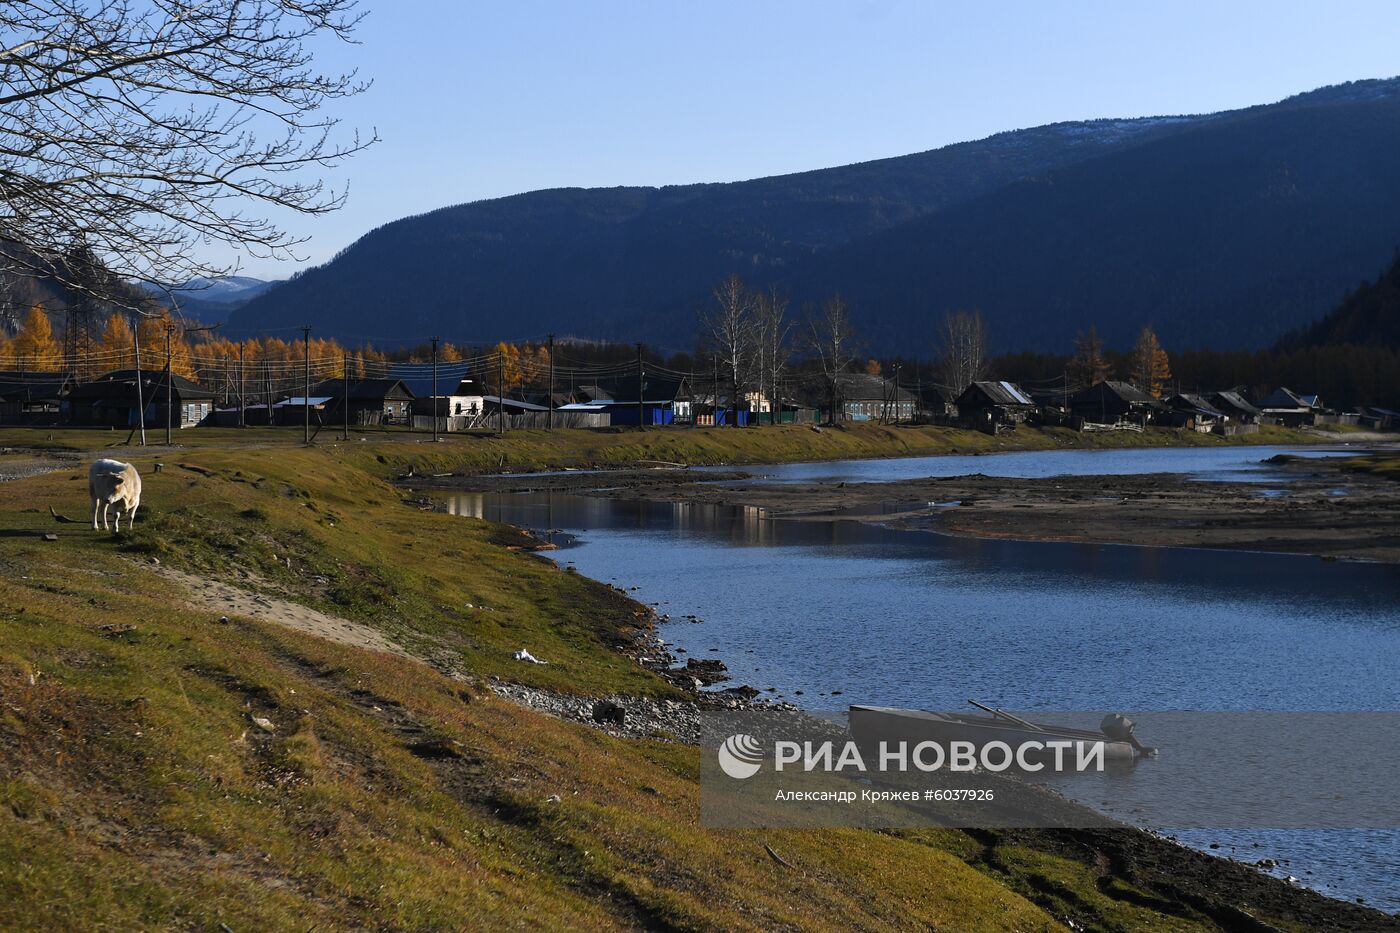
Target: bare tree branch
x,y
962,346
144,131
833,342
729,325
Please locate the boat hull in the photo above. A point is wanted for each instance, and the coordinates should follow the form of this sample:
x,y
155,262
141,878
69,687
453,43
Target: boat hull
x,y
871,725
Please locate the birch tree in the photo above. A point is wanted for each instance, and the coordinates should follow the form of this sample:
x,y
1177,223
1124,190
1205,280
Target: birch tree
x,y
730,326
962,343
833,343
773,328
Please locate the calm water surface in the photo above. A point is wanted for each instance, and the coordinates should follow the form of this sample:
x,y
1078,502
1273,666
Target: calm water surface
x,y
826,613
1244,464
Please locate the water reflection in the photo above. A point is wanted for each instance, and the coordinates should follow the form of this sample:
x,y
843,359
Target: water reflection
x,y
827,613
1221,464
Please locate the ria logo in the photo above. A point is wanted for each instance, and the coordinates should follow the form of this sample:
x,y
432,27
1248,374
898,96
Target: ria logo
x,y
740,756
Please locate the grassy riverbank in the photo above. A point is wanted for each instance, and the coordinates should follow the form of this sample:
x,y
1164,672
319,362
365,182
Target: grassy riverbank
x,y
522,451
385,450
162,768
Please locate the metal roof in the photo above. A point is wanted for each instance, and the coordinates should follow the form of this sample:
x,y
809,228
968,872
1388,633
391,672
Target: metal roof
x,y
1233,400
999,393
299,401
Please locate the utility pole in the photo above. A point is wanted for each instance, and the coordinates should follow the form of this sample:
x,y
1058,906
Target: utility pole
x,y
435,395
896,393
140,395
501,393
306,382
641,408
345,393
169,332
242,400
714,394
549,422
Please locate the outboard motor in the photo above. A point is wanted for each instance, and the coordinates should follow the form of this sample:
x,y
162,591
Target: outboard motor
x,y
1119,728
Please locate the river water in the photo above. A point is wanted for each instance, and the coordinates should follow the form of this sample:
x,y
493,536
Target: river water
x,y
829,613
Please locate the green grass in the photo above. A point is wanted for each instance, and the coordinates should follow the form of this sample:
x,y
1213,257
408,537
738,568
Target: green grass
x,y
524,451
137,792
387,450
1380,464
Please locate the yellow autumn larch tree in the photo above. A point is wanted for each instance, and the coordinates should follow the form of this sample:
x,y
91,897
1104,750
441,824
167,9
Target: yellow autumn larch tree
x,y
1151,369
115,346
34,347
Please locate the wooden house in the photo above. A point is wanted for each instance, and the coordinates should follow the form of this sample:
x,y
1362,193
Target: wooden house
x,y
1234,406
370,401
111,399
28,397
665,400
1111,402
455,394
937,404
1286,407
864,397
989,406
1189,410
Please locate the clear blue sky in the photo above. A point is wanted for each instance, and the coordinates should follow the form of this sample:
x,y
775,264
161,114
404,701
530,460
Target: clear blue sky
x,y
482,99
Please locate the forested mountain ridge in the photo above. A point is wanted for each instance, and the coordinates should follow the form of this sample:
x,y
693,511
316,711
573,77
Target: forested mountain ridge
x,y
1223,235
1369,316
1224,230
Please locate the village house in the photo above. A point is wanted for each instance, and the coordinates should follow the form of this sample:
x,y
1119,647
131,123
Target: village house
x,y
989,406
457,395
111,399
937,404
292,410
1379,419
1235,407
665,400
29,397
1112,402
714,411
370,401
1288,408
592,393
1189,410
518,413
864,397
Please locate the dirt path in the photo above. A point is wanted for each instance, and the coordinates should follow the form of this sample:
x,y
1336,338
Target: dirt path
x,y
223,598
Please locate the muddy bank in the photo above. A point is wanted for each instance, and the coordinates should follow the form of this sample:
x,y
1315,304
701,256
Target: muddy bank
x,y
1323,507
1136,865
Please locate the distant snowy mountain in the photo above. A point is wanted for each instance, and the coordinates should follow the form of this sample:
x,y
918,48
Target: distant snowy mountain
x,y
223,288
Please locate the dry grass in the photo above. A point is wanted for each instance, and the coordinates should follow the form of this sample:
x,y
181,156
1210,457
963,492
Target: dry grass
x,y
136,791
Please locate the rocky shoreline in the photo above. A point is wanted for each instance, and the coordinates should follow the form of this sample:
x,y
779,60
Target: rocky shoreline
x,y
642,717
1156,509
1227,887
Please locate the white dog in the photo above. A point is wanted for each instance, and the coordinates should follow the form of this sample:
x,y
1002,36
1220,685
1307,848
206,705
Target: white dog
x,y
111,482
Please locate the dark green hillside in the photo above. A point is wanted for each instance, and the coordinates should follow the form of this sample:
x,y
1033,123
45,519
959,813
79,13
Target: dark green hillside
x,y
1370,316
1225,235
1221,231
627,262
